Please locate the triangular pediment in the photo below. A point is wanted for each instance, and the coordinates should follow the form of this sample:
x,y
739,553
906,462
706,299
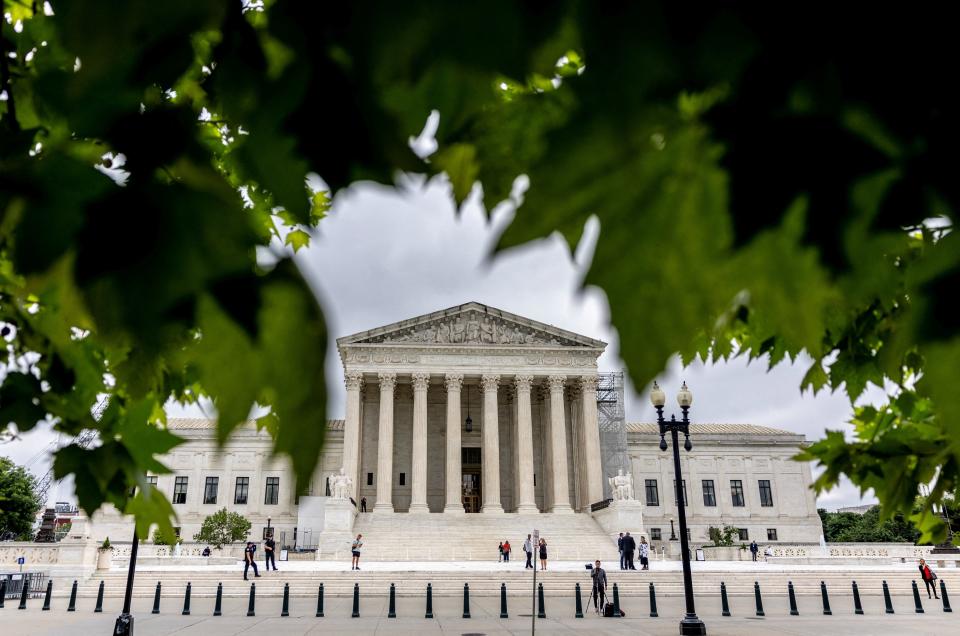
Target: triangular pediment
x,y
472,324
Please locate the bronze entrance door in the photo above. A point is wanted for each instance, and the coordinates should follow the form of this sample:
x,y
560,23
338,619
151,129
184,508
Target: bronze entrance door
x,y
471,479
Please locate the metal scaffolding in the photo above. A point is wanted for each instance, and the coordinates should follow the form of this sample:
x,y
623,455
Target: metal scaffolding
x,y
613,427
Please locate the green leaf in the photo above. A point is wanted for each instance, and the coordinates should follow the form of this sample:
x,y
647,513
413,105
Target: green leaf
x,y
20,401
459,162
297,239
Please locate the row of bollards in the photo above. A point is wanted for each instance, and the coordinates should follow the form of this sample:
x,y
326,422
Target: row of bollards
x,y
541,610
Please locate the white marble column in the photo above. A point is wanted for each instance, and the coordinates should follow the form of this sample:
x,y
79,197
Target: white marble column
x,y
351,430
491,445
558,442
418,493
526,500
592,461
385,445
454,496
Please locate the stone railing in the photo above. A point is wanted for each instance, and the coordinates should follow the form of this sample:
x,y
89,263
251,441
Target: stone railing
x,y
852,551
34,554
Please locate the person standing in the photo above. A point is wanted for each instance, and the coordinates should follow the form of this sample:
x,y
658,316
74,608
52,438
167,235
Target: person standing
x,y
500,550
248,559
269,553
528,549
754,548
929,579
355,551
506,550
363,504
644,549
599,593
629,545
543,554
623,560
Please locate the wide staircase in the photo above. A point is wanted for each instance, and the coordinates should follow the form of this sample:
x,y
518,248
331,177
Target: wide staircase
x,y
474,537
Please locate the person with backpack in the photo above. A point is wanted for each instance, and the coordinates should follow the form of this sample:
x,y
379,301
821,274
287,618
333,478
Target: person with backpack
x,y
599,592
929,579
248,559
355,551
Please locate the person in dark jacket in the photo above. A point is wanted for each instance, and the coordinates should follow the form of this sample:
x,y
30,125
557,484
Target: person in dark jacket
x,y
248,559
754,548
623,560
269,554
629,547
599,593
543,554
929,579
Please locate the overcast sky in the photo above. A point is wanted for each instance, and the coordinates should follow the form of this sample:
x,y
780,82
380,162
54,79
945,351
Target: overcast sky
x,y
385,255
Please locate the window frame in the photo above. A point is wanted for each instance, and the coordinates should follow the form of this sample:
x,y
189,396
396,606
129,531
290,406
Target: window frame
x,y
647,485
766,498
656,534
180,485
773,532
246,491
271,486
743,534
711,490
206,489
736,493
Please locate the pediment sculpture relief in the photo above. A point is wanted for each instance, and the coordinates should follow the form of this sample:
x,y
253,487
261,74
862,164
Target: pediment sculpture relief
x,y
472,328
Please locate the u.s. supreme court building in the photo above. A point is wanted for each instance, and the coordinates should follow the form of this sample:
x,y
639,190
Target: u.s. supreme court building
x,y
480,422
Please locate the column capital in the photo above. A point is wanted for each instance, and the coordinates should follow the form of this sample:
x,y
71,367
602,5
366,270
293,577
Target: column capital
x,y
387,381
588,382
556,382
490,382
454,381
421,381
523,382
353,380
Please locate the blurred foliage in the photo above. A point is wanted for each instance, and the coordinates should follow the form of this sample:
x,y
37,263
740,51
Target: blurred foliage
x,y
764,187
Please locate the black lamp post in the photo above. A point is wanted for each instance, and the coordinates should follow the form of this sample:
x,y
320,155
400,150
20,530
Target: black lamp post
x,y
673,535
690,624
124,624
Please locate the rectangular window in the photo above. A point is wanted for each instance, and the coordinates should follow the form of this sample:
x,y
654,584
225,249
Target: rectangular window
x,y
272,493
152,480
653,497
683,484
771,534
210,490
180,490
403,479
241,491
369,479
655,534
766,494
709,496
736,492
742,532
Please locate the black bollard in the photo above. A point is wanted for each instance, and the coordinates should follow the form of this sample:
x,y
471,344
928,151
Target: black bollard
x,y
99,608
218,605
503,601
72,607
25,590
392,610
46,598
756,593
916,598
793,599
579,612
541,613
3,591
653,602
285,610
946,599
724,605
466,601
186,601
616,601
857,607
156,600
320,602
356,601
253,600
826,599
429,612
886,599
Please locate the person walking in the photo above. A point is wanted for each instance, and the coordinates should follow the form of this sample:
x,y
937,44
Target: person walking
x,y
363,504
249,560
754,548
528,549
500,550
929,579
599,593
644,550
506,550
269,553
623,560
629,546
355,551
543,554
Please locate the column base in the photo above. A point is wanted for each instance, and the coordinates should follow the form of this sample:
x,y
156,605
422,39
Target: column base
x,y
419,509
492,509
382,508
527,509
562,509
454,509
